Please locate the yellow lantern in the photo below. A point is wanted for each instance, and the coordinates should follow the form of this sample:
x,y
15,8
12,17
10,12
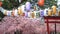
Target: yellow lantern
x,y
20,11
49,12
32,14
54,9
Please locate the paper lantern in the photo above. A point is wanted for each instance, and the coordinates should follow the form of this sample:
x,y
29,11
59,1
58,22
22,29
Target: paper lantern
x,y
32,14
16,12
5,12
41,2
46,12
54,9
20,1
37,14
34,8
29,14
49,12
23,8
0,3
12,13
8,13
1,9
41,13
20,11
26,14
28,6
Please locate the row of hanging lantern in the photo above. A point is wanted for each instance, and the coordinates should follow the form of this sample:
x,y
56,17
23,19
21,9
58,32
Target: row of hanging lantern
x,y
29,13
34,14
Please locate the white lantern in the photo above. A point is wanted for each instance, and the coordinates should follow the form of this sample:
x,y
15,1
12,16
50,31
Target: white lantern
x,y
8,13
20,1
28,5
5,12
45,12
23,8
16,12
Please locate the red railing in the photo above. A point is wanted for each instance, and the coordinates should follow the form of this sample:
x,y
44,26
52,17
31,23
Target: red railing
x,y
51,19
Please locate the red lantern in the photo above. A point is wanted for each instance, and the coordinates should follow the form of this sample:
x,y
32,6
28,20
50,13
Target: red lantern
x,y
0,3
41,2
